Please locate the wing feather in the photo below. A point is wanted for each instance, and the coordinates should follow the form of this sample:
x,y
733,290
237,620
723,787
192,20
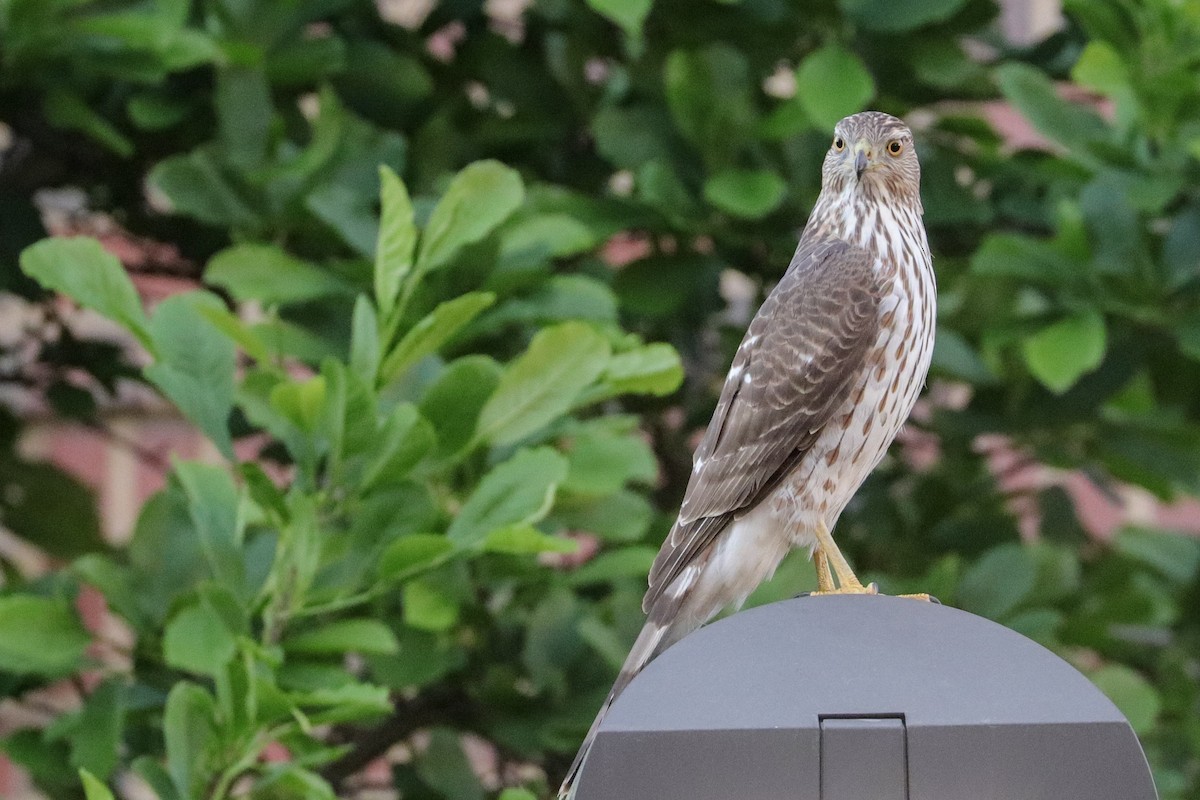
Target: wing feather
x,y
788,378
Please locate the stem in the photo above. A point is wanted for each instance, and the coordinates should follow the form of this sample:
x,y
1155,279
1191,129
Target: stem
x,y
236,770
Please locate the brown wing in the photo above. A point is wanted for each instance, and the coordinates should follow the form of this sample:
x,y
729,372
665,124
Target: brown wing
x,y
788,378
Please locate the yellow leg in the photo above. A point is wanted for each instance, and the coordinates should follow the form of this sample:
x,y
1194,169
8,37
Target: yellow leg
x,y
830,555
825,583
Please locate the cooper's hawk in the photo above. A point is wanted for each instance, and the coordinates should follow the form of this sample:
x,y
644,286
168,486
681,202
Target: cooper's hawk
x,y
825,377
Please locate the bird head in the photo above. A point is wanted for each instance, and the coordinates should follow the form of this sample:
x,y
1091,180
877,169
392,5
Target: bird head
x,y
873,153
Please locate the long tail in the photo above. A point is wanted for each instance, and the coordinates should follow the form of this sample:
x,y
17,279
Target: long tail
x,y
652,640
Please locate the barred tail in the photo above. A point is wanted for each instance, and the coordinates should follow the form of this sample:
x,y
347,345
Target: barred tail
x,y
650,642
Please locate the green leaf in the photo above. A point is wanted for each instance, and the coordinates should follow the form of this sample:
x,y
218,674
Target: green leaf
x,y
96,737
1175,555
552,638
445,768
39,636
156,777
543,383
633,135
406,437
348,420
627,14
195,364
545,236
266,273
524,539
190,732
519,490
1069,124
628,562
605,640
242,334
749,194
364,340
93,789
953,355
1005,255
48,507
1181,249
602,464
510,794
345,636
213,508
653,369
621,517
1101,69
423,658
397,240
560,298
479,198
786,120
1059,355
414,553
832,83
67,110
197,640
290,780
1131,694
351,702
997,583
303,403
87,273
453,402
433,331
710,95
197,187
428,606
244,109
899,15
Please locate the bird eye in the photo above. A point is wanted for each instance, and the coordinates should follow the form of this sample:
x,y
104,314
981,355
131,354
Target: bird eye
x,y
895,148
839,144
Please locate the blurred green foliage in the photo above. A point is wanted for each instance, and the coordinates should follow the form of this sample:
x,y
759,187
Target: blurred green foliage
x,y
452,379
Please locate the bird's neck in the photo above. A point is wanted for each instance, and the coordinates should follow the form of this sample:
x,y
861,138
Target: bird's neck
x,y
855,214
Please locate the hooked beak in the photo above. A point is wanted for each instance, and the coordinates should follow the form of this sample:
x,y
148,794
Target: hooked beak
x,y
862,158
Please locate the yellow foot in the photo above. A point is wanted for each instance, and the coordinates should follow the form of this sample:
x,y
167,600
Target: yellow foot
x,y
856,588
928,598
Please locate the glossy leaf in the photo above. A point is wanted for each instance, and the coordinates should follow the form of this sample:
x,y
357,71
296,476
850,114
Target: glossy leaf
x,y
1059,355
832,83
433,331
268,274
397,240
627,14
542,384
197,640
195,364
519,490
367,636
479,198
81,269
412,554
749,194
39,636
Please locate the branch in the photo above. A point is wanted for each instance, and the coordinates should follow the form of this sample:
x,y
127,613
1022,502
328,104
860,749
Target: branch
x,y
439,706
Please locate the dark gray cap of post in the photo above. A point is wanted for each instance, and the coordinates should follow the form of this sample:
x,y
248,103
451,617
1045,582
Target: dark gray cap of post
x,y
863,698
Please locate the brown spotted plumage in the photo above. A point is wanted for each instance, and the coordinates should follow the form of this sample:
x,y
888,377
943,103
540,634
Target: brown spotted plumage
x,y
824,378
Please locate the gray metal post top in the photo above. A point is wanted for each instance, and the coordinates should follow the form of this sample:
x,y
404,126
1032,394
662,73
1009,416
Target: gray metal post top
x,y
862,698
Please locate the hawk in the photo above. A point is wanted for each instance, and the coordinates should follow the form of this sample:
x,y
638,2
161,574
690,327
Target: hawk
x,y
820,385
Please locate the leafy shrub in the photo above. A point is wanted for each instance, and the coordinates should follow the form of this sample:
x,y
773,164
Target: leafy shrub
x,y
404,531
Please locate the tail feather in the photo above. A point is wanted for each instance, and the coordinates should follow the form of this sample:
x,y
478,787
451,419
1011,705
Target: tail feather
x,y
651,641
